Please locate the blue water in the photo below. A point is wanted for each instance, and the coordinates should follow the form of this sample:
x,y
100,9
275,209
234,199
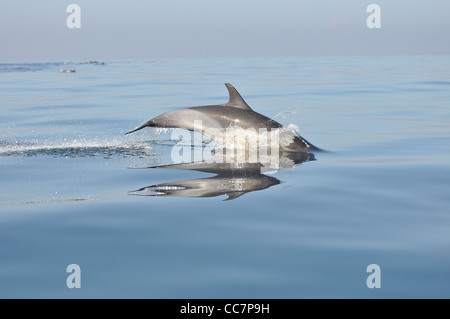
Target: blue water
x,y
380,195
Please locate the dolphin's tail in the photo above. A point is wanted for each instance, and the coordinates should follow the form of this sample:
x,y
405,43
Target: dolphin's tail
x,y
140,127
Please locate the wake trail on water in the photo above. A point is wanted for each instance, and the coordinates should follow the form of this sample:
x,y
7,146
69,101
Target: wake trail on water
x,y
77,148
116,147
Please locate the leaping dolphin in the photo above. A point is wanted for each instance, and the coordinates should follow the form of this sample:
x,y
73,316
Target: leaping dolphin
x,y
236,112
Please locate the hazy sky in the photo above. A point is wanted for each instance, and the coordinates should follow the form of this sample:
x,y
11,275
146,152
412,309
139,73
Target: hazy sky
x,y
35,30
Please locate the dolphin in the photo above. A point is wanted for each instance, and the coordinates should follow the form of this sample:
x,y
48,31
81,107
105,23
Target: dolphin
x,y
231,179
232,186
236,112
67,71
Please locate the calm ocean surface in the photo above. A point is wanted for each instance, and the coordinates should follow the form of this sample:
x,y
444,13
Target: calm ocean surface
x,y
380,195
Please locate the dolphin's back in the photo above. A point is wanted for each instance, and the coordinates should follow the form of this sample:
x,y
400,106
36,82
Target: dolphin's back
x,y
226,116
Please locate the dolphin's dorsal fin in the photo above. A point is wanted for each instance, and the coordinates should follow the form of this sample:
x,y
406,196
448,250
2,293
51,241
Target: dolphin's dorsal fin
x,y
236,99
234,195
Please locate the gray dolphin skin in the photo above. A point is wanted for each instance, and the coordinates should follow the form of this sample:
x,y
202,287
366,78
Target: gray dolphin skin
x,y
235,112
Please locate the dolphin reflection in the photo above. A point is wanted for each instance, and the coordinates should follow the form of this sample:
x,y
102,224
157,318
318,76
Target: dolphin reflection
x,y
231,179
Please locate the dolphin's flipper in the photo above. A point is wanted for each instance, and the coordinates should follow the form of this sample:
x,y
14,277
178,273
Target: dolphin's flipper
x,y
236,99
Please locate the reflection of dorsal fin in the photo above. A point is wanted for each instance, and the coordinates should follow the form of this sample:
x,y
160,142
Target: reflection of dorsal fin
x,y
236,99
234,195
